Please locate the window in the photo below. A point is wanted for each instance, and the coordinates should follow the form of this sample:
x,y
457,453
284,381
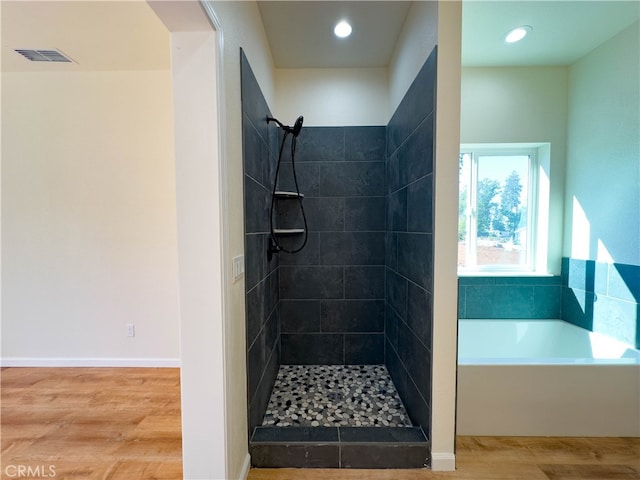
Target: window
x,y
498,209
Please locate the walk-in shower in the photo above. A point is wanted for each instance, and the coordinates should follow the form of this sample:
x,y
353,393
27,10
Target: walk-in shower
x,y
338,249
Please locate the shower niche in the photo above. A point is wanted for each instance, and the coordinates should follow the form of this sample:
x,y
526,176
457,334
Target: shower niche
x,y
339,332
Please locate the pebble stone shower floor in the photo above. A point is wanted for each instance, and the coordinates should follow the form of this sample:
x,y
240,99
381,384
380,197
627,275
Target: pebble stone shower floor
x,y
335,396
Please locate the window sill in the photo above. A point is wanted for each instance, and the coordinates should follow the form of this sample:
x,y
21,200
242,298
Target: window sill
x,y
488,273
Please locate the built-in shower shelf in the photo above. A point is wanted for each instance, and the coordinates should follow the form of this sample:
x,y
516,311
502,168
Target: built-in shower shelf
x,y
282,194
288,231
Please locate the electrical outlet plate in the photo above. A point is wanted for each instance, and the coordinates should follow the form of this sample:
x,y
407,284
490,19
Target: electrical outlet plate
x,y
131,330
238,267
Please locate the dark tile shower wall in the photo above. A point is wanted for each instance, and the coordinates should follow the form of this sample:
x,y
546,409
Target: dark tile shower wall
x,y
261,276
332,293
409,244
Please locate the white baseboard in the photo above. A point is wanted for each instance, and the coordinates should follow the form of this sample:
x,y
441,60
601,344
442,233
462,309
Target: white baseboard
x,y
443,462
245,467
89,362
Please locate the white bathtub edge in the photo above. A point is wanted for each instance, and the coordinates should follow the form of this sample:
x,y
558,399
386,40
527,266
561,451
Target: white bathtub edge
x,y
547,361
443,461
538,342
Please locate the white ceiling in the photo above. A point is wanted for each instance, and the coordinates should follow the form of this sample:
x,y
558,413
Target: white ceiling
x,y
562,32
127,35
301,33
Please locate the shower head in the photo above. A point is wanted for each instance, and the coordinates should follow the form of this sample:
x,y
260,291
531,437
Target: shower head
x,y
296,127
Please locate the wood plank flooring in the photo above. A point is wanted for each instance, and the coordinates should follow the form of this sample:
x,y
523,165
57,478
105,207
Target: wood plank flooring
x,y
124,423
92,423
505,458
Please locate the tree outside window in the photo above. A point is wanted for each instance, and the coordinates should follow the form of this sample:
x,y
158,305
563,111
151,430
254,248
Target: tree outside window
x,y
495,210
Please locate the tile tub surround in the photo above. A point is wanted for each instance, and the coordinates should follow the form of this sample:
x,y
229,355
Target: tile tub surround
x,y
409,244
333,396
509,297
602,297
599,297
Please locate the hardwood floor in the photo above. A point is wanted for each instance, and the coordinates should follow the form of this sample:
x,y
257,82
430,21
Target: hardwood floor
x,y
92,423
124,423
505,458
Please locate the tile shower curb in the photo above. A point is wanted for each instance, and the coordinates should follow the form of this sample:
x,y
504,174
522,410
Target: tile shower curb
x,y
339,447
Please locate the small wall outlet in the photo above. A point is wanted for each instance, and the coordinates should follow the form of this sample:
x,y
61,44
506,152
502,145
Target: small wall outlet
x,y
238,267
131,330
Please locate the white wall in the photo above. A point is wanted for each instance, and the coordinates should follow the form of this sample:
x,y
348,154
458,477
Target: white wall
x,y
602,198
202,376
522,105
241,27
418,37
333,96
359,96
445,285
88,218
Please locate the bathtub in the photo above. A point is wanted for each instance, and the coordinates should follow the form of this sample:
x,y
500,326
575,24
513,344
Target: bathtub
x,y
545,378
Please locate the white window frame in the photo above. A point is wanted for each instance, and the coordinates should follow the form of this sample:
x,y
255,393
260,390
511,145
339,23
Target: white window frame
x,y
534,237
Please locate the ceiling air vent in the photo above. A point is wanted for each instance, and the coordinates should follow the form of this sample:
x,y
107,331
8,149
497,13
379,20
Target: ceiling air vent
x,y
44,55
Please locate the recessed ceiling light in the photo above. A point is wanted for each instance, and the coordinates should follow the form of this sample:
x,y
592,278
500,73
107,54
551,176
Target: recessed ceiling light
x,y
517,34
342,29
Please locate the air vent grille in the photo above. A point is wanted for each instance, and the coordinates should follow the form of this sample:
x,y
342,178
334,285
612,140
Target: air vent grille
x,y
44,55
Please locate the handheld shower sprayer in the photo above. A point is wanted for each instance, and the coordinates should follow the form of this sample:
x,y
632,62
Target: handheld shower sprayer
x,y
295,130
274,244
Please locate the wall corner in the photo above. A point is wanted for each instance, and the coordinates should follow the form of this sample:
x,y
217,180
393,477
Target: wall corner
x,y
445,321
